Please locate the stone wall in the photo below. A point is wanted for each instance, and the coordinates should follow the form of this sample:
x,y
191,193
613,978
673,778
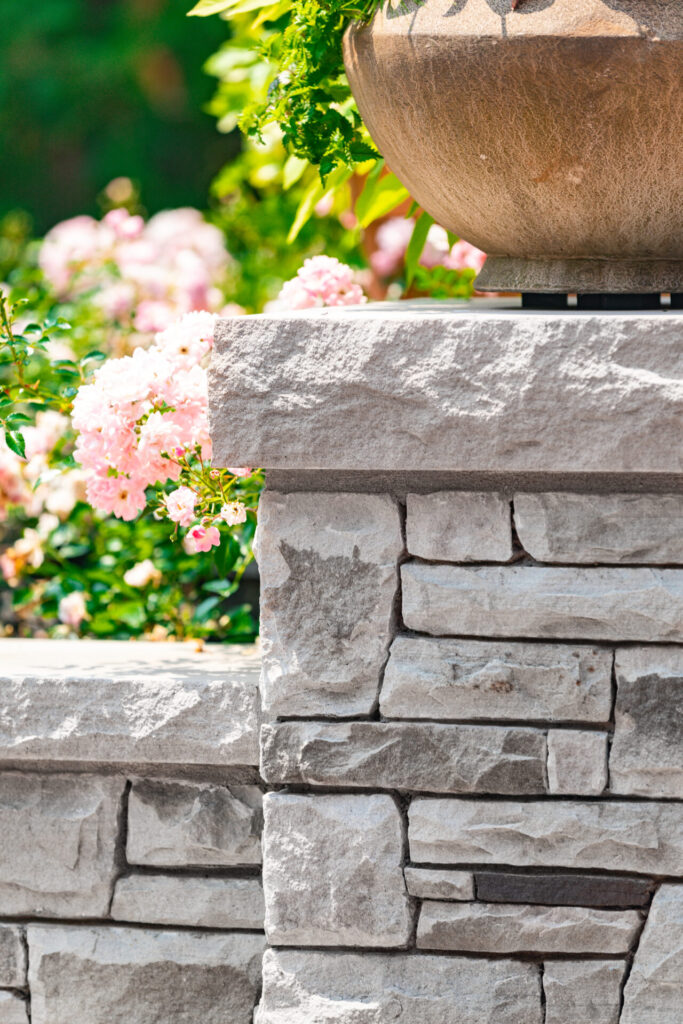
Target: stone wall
x,y
130,820
471,554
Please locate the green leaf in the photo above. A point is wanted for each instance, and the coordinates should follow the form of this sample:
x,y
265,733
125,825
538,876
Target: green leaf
x,y
206,7
379,197
15,442
312,196
292,171
416,245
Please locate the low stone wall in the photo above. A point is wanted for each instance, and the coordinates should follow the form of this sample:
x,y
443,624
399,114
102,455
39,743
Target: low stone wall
x,y
130,821
471,554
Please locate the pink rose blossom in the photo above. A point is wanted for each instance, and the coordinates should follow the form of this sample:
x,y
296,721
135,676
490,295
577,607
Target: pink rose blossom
x,y
72,609
463,256
240,470
202,538
322,281
180,505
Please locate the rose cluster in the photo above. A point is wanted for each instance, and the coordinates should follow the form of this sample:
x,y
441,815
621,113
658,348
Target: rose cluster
x,y
141,274
392,241
321,281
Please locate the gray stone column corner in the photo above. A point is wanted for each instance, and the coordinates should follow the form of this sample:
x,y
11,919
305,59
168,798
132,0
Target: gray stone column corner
x,y
471,553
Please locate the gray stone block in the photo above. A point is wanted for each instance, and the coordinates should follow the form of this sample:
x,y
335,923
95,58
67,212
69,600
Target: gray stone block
x,y
329,577
57,843
12,957
459,526
654,989
13,1009
429,678
106,974
535,601
406,755
577,762
439,885
435,386
302,987
583,991
647,752
184,824
563,890
332,871
601,528
630,836
185,900
511,928
128,705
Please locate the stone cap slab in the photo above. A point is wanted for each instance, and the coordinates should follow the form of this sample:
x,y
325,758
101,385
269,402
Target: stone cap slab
x,y
123,704
451,387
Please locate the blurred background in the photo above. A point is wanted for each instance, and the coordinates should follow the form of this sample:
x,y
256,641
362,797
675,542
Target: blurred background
x,y
91,90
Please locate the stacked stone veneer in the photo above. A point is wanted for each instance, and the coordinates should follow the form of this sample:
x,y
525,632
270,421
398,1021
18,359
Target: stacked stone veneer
x,y
471,555
130,821
475,706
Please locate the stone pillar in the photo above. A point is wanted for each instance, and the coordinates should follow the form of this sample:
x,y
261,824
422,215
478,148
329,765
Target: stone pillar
x,y
471,551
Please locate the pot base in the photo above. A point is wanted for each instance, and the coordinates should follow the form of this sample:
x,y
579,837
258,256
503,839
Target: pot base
x,y
514,274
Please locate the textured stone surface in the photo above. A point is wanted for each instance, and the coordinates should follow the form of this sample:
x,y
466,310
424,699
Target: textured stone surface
x,y
582,992
562,890
179,824
12,957
601,528
184,900
577,762
128,704
328,565
647,752
459,526
429,678
12,1009
399,387
532,601
439,885
510,928
57,843
301,987
98,975
615,836
654,989
405,755
332,871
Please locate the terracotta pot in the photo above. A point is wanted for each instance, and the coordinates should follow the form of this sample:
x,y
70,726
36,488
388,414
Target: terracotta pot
x,y
550,136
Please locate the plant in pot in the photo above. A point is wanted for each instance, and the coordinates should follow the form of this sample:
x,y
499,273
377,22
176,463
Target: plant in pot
x,y
549,133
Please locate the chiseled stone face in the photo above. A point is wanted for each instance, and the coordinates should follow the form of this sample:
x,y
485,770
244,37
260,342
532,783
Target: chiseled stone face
x,y
301,987
329,577
535,601
57,843
101,974
185,900
419,387
439,885
653,991
431,678
583,991
577,762
514,928
187,824
425,757
647,751
12,957
645,837
332,871
459,526
13,1009
601,528
112,704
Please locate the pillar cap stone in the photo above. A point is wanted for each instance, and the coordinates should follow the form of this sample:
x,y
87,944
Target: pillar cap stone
x,y
458,388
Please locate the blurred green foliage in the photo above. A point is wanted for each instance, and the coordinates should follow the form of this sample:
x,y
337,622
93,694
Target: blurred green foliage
x,y
94,89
